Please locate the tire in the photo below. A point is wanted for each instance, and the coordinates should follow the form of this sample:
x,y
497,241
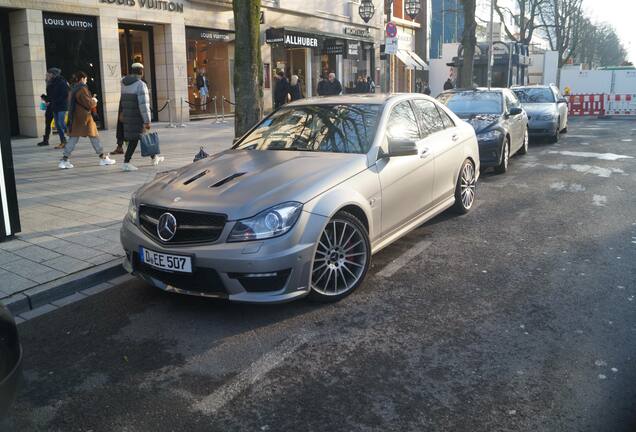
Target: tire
x,y
565,129
502,168
465,188
333,259
555,138
524,147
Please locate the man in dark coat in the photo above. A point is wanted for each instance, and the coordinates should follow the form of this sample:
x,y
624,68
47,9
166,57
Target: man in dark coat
x,y
281,91
322,86
334,87
57,92
448,85
427,89
135,113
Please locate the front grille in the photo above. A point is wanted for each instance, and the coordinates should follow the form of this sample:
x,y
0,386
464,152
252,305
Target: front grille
x,y
192,227
203,280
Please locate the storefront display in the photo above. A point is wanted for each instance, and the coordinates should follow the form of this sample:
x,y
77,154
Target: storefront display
x,y
210,56
71,44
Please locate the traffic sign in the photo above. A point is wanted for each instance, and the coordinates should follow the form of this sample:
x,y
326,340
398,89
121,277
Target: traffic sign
x,y
391,29
391,45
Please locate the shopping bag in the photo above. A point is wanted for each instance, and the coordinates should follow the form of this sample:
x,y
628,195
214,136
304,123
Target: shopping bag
x,y
149,144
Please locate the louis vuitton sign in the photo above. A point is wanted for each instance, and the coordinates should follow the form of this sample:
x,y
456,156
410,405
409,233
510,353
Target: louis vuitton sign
x,y
164,5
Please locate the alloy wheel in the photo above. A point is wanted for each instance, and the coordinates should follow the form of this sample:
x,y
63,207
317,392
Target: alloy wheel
x,y
467,185
341,258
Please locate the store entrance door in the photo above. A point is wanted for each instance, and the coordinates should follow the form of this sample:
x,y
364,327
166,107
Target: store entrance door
x,y
136,45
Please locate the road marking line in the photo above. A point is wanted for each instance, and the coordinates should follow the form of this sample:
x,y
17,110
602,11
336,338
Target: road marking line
x,y
601,156
257,370
391,268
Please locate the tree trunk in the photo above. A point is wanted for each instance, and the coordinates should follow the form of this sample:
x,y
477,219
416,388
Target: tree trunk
x,y
469,41
248,67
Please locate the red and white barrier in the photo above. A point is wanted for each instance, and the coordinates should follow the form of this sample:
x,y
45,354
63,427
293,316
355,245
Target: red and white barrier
x,y
586,104
620,104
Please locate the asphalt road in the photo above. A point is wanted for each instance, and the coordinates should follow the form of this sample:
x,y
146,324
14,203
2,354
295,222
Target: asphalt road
x,y
519,316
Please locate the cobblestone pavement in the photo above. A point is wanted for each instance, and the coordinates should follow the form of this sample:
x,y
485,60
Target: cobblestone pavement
x,y
70,218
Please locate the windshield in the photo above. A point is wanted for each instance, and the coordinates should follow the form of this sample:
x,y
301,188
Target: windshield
x,y
535,95
471,103
319,128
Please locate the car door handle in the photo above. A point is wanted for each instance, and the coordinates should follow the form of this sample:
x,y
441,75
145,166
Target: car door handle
x,y
455,137
425,153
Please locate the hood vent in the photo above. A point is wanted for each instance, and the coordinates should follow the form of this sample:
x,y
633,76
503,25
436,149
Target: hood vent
x,y
196,177
226,180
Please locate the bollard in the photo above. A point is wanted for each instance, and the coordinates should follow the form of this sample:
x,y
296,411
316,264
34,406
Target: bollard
x,y
170,124
216,111
181,124
223,110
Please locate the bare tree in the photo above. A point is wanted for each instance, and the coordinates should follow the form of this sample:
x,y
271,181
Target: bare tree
x,y
248,66
562,22
526,18
469,41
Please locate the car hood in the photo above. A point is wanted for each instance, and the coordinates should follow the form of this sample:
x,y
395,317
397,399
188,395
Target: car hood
x,y
482,122
241,183
534,109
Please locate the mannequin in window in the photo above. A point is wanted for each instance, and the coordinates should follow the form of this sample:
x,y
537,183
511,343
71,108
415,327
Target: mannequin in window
x,y
203,87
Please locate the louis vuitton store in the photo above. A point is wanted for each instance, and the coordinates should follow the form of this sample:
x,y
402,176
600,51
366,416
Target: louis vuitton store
x,y
174,40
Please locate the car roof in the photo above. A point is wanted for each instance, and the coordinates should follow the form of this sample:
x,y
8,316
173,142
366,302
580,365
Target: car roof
x,y
531,86
476,90
363,98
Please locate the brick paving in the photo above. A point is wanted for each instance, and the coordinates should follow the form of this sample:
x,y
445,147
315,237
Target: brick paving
x,y
71,218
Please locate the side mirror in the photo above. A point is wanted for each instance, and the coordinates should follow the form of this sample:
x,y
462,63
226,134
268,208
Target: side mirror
x,y
402,147
515,111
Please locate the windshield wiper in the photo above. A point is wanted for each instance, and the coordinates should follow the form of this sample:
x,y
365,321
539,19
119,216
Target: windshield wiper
x,y
292,148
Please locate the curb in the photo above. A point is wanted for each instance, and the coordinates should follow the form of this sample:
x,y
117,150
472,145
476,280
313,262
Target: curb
x,y
49,292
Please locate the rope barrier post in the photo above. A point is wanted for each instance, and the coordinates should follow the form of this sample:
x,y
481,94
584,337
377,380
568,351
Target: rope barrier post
x,y
216,111
181,125
223,110
170,124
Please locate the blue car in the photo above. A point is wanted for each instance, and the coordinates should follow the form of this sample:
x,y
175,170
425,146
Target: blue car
x,y
500,123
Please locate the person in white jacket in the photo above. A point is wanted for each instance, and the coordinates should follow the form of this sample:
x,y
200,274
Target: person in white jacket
x,y
135,113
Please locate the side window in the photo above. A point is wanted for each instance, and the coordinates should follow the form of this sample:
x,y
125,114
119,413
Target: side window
x,y
448,122
508,101
402,122
557,93
514,102
429,117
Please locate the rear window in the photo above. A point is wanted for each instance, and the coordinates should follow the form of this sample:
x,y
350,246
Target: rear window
x,y
472,102
534,95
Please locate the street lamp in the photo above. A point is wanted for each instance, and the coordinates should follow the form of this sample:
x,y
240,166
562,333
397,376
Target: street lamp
x,y
412,8
366,10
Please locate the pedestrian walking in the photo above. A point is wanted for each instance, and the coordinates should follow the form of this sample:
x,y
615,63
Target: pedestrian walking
x,y
448,85
371,84
361,85
81,123
203,87
48,118
322,86
119,134
295,88
427,89
57,92
135,113
333,86
281,91
418,86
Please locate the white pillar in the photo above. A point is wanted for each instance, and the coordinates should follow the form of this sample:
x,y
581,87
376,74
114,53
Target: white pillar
x,y
308,73
171,70
108,28
29,68
339,70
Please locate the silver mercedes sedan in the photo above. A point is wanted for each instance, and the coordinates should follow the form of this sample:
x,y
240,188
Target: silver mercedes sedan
x,y
300,203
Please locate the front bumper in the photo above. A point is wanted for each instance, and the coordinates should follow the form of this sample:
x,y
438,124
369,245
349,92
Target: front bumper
x,y
490,152
232,270
542,127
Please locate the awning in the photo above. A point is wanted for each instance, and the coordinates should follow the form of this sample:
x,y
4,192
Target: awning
x,y
405,58
411,60
418,60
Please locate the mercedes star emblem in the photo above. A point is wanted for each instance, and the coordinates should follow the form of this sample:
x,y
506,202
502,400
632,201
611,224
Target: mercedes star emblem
x,y
166,227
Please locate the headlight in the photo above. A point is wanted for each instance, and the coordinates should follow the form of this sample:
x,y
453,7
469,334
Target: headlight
x,y
132,210
491,135
270,223
547,117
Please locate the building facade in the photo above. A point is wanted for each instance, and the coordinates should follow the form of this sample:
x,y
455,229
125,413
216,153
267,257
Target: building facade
x,y
182,44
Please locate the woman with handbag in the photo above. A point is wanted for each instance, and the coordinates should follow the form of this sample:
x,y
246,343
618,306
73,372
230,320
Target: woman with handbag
x,y
135,113
81,123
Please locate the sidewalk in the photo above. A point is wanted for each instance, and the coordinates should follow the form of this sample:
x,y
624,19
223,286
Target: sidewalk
x,y
71,218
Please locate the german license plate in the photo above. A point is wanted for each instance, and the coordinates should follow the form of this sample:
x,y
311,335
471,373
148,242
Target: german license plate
x,y
167,262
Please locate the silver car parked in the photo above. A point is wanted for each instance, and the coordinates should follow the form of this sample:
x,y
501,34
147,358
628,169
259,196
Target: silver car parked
x,y
301,202
547,110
